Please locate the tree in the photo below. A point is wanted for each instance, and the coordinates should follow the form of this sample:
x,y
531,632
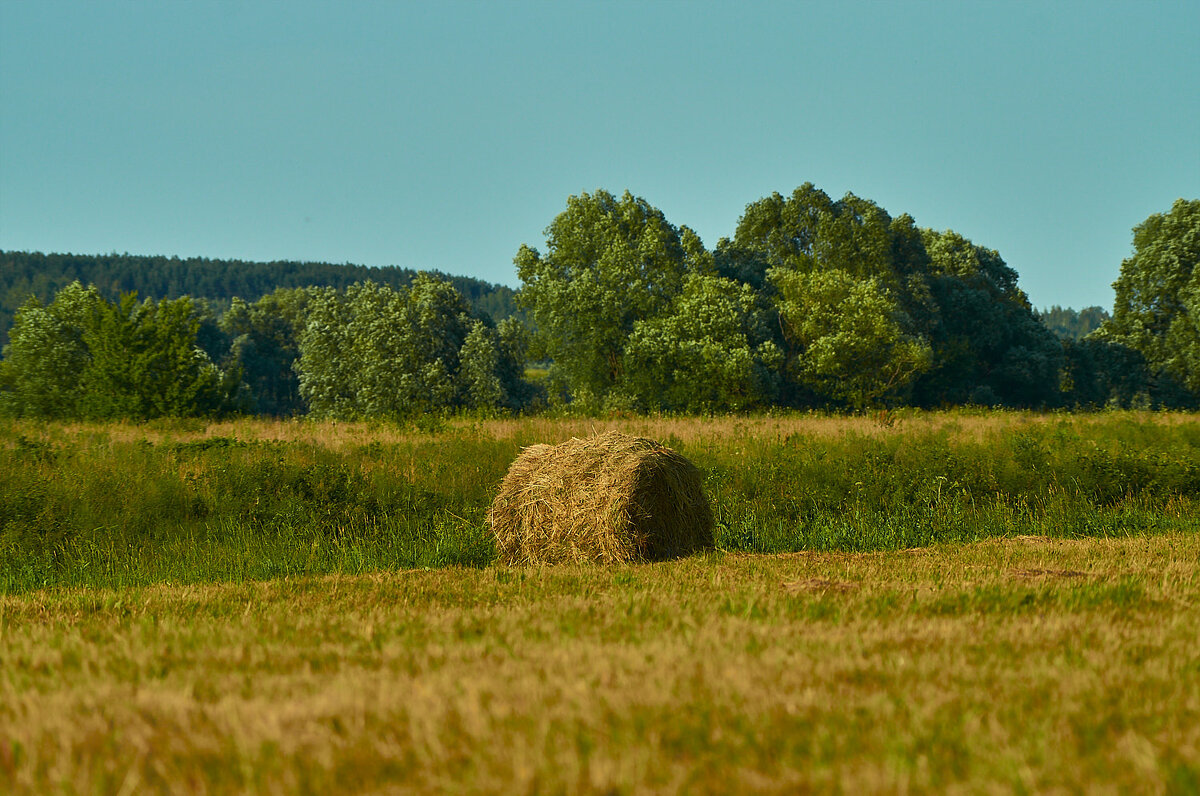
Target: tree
x,y
808,232
32,273
480,360
46,355
377,352
609,263
265,343
1100,373
854,342
712,352
988,346
433,327
1072,324
145,363
82,356
1157,306
848,283
323,371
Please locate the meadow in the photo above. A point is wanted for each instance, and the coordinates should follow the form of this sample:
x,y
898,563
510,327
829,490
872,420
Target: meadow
x,y
185,501
964,600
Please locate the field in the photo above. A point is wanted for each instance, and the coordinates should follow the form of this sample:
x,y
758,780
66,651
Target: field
x,y
951,601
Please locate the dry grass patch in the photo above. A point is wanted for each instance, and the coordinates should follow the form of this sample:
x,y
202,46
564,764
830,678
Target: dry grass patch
x,y
937,671
960,425
1031,574
818,585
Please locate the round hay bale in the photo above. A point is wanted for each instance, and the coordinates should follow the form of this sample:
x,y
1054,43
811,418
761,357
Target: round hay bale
x,y
605,499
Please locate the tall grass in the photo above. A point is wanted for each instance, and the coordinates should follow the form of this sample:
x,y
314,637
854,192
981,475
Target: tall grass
x,y
119,504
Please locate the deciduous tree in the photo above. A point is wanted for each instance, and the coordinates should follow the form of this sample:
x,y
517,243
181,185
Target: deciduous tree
x,y
265,343
46,356
609,263
713,351
1157,307
988,346
378,352
854,343
145,362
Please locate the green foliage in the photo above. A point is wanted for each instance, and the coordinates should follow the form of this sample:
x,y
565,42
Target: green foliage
x,y
815,302
988,346
377,352
370,352
1157,307
809,232
931,318
145,363
383,353
265,345
1101,373
24,274
513,341
849,287
853,340
44,360
712,351
84,356
1072,324
609,263
480,359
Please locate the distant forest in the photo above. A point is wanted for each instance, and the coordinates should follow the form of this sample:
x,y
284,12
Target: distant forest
x,y
25,274
1072,324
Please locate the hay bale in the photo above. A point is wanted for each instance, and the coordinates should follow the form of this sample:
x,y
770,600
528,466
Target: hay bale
x,y
605,499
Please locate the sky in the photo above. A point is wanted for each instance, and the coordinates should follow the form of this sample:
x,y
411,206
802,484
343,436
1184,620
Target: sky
x,y
443,135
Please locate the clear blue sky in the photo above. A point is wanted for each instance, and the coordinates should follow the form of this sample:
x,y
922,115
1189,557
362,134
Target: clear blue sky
x,y
443,135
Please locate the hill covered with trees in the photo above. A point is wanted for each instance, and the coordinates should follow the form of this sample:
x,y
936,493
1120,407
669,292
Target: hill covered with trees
x,y
1073,324
25,274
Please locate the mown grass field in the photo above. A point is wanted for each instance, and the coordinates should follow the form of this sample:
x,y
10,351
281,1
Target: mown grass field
x,y
1026,665
953,601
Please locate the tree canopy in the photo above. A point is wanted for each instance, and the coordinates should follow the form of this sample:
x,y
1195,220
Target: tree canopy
x,y
83,356
1157,307
372,351
1073,324
609,263
814,302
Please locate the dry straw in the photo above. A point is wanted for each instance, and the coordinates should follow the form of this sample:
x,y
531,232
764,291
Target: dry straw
x,y
605,499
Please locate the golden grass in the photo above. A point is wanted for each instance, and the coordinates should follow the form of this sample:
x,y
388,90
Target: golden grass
x,y
959,425
1023,664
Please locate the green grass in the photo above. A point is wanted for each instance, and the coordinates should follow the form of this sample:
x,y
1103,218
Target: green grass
x,y
187,502
1028,664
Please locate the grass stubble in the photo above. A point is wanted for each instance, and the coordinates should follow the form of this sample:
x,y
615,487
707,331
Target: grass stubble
x,y
1011,664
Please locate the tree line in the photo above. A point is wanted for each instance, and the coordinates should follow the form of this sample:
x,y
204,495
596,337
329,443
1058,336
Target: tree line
x,y
369,350
25,274
817,302
814,302
1071,323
